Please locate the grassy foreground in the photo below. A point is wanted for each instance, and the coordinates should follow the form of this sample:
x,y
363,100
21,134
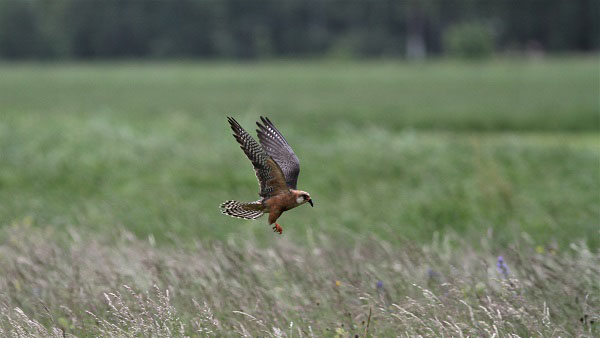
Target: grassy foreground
x,y
91,285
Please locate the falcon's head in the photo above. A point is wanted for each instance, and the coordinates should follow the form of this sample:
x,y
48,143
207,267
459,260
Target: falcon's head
x,y
303,197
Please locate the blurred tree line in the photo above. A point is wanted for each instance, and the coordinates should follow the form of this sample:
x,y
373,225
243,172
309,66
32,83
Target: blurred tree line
x,y
278,28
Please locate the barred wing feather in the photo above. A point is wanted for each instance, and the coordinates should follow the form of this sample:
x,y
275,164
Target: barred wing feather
x,y
278,148
270,176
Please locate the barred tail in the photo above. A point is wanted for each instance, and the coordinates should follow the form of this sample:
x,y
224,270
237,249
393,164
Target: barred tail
x,y
252,210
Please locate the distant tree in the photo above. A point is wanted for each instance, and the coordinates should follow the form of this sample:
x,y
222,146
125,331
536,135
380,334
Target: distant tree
x,y
282,28
469,40
20,35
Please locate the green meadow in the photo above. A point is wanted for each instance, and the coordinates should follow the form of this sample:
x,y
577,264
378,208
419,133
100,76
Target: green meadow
x,y
489,158
410,149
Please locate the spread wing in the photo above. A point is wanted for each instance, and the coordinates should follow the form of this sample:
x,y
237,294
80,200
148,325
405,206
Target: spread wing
x,y
270,177
277,147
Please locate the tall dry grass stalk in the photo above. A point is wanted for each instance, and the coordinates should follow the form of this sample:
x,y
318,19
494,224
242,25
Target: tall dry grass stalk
x,y
81,284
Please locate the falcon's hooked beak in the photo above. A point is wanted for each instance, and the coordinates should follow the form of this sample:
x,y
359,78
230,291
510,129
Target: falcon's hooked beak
x,y
311,203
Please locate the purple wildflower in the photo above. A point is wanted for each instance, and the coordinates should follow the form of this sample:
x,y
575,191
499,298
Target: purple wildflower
x,y
502,267
379,285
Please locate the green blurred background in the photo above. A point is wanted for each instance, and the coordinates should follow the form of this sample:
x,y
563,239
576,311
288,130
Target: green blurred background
x,y
410,119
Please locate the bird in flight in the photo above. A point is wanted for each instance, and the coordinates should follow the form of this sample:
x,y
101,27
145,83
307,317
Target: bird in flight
x,y
276,167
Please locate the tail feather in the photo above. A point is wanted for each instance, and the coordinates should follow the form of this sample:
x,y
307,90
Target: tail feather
x,y
252,210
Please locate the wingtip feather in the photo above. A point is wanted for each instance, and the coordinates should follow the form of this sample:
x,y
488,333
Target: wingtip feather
x,y
233,122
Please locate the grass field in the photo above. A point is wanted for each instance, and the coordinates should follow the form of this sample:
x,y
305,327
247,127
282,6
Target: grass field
x,y
492,158
93,285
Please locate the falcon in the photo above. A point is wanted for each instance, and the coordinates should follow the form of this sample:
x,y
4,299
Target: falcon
x,y
276,167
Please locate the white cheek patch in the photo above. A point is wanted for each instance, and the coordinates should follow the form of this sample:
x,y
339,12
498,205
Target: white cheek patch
x,y
299,200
